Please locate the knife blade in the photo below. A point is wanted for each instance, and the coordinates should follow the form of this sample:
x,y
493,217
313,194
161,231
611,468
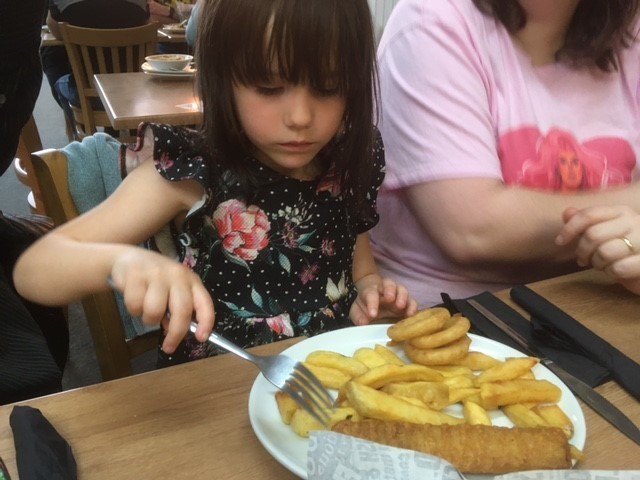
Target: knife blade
x,y
588,395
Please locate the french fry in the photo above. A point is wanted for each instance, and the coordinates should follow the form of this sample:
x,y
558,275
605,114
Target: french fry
x,y
347,365
369,357
453,370
477,361
379,376
460,381
555,417
522,416
431,393
512,368
372,403
329,377
474,414
286,406
458,394
497,394
388,354
303,423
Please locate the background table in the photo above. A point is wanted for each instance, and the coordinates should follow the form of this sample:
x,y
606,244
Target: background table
x,y
131,98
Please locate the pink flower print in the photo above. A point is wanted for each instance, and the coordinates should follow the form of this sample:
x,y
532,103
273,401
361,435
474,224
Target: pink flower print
x,y
244,230
289,235
281,324
164,162
309,273
328,247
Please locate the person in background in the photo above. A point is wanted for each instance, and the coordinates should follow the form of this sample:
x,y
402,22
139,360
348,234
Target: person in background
x,y
167,12
269,204
20,71
89,14
192,25
33,339
497,116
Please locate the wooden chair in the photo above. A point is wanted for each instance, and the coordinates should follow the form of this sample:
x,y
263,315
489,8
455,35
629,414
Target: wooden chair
x,y
92,51
29,142
113,351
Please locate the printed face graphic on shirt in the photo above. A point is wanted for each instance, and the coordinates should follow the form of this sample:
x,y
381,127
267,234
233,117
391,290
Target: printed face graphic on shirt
x,y
558,161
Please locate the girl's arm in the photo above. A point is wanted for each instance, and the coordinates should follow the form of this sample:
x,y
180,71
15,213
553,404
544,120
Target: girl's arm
x,y
76,258
377,297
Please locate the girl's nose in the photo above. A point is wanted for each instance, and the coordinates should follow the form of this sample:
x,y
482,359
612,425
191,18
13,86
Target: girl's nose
x,y
299,112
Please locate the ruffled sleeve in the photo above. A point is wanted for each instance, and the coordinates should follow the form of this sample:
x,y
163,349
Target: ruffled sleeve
x,y
176,153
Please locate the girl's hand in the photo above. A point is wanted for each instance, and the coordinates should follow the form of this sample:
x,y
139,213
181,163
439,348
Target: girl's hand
x,y
380,298
154,285
608,239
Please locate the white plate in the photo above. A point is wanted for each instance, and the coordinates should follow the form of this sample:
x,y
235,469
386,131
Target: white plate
x,y
189,71
290,450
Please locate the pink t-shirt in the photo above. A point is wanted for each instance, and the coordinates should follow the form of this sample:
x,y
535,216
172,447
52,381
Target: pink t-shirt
x,y
459,99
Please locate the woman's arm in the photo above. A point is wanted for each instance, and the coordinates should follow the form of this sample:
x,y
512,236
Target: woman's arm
x,y
482,222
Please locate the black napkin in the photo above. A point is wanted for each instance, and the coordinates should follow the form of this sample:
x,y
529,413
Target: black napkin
x,y
565,355
548,316
41,452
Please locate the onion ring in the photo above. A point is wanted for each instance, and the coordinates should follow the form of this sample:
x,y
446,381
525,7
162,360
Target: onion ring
x,y
424,322
455,328
439,356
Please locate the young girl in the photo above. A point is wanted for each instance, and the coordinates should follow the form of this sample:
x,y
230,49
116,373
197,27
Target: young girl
x,y
268,205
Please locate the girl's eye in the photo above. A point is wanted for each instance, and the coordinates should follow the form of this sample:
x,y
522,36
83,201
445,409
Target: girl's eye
x,y
269,91
327,91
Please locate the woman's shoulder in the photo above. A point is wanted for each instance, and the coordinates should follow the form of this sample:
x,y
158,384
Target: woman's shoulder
x,y
454,22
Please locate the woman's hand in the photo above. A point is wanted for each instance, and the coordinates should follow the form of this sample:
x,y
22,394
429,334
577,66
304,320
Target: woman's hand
x,y
154,285
608,239
380,298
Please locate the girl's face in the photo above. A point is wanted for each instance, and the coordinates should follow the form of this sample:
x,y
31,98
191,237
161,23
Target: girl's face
x,y
289,124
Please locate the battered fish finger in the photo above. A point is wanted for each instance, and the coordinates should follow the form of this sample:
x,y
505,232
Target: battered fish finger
x,y
478,449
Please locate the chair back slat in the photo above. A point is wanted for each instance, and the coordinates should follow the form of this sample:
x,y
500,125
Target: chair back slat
x,y
92,51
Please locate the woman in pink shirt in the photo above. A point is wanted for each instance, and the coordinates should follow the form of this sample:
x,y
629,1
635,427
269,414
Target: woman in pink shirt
x,y
501,119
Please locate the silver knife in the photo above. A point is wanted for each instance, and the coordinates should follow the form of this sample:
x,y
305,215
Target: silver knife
x,y
600,405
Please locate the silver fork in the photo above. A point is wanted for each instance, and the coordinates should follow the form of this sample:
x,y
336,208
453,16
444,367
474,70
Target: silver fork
x,y
288,375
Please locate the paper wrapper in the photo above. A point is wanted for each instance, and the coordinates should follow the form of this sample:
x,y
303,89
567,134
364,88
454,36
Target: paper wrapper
x,y
336,456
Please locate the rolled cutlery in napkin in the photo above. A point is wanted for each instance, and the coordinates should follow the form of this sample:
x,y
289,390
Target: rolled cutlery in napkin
x,y
548,316
570,359
41,452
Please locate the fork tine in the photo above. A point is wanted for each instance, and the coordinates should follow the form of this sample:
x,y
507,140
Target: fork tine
x,y
304,404
315,385
309,395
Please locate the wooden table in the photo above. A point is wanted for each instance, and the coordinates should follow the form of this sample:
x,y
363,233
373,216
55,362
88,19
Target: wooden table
x,y
131,98
614,314
191,421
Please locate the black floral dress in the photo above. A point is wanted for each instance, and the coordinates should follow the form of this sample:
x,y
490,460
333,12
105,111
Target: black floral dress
x,y
278,267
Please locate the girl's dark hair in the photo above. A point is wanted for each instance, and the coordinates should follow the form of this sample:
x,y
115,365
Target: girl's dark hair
x,y
598,30
320,43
